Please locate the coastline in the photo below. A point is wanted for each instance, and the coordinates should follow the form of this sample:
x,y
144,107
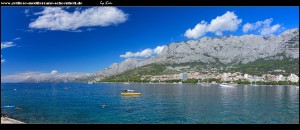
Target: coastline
x,y
186,83
6,120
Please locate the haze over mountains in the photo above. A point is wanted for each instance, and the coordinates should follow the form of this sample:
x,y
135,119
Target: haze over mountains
x,y
227,50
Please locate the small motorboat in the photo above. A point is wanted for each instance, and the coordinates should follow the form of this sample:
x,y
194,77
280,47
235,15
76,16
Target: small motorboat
x,y
227,85
130,92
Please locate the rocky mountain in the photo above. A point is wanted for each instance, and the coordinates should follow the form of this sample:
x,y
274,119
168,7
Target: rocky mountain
x,y
228,50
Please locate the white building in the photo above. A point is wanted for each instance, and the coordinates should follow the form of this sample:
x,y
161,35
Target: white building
x,y
246,76
256,78
293,78
259,79
153,79
225,76
183,76
280,78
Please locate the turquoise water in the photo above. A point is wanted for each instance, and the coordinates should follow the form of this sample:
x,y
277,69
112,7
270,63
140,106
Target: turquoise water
x,y
159,103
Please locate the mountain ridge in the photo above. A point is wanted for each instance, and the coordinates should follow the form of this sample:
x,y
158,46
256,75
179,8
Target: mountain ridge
x,y
226,50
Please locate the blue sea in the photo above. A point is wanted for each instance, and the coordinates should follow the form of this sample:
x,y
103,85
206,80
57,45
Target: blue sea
x,y
159,103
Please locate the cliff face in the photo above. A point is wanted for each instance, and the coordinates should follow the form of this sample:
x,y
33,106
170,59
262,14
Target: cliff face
x,y
226,50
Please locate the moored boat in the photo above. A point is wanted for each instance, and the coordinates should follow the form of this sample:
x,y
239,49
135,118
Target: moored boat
x,y
130,92
227,85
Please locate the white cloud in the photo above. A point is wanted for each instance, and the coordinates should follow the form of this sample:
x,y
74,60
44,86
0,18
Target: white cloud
x,y
2,60
7,44
17,38
248,27
158,49
198,31
269,30
227,22
263,27
26,12
55,18
54,72
145,53
39,76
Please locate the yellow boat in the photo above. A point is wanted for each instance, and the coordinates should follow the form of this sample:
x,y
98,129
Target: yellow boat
x,y
130,94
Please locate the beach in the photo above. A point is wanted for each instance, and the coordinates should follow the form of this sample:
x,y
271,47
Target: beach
x,y
6,120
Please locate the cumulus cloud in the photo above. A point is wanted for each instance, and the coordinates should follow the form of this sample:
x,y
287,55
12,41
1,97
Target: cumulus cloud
x,y
39,76
55,18
199,30
158,49
268,30
227,22
263,27
54,72
7,44
145,53
248,27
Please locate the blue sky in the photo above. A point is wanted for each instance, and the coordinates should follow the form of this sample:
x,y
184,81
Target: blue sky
x,y
37,39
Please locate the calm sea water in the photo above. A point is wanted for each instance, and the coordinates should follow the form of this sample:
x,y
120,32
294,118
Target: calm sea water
x,y
159,103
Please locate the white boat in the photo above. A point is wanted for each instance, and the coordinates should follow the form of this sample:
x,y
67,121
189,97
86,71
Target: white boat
x,y
90,82
127,82
128,90
208,84
227,85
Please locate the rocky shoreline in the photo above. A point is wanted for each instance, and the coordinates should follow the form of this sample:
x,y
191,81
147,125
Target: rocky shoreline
x,y
6,120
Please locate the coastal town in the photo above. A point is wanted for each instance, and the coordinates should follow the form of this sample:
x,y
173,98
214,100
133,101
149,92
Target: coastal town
x,y
215,78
